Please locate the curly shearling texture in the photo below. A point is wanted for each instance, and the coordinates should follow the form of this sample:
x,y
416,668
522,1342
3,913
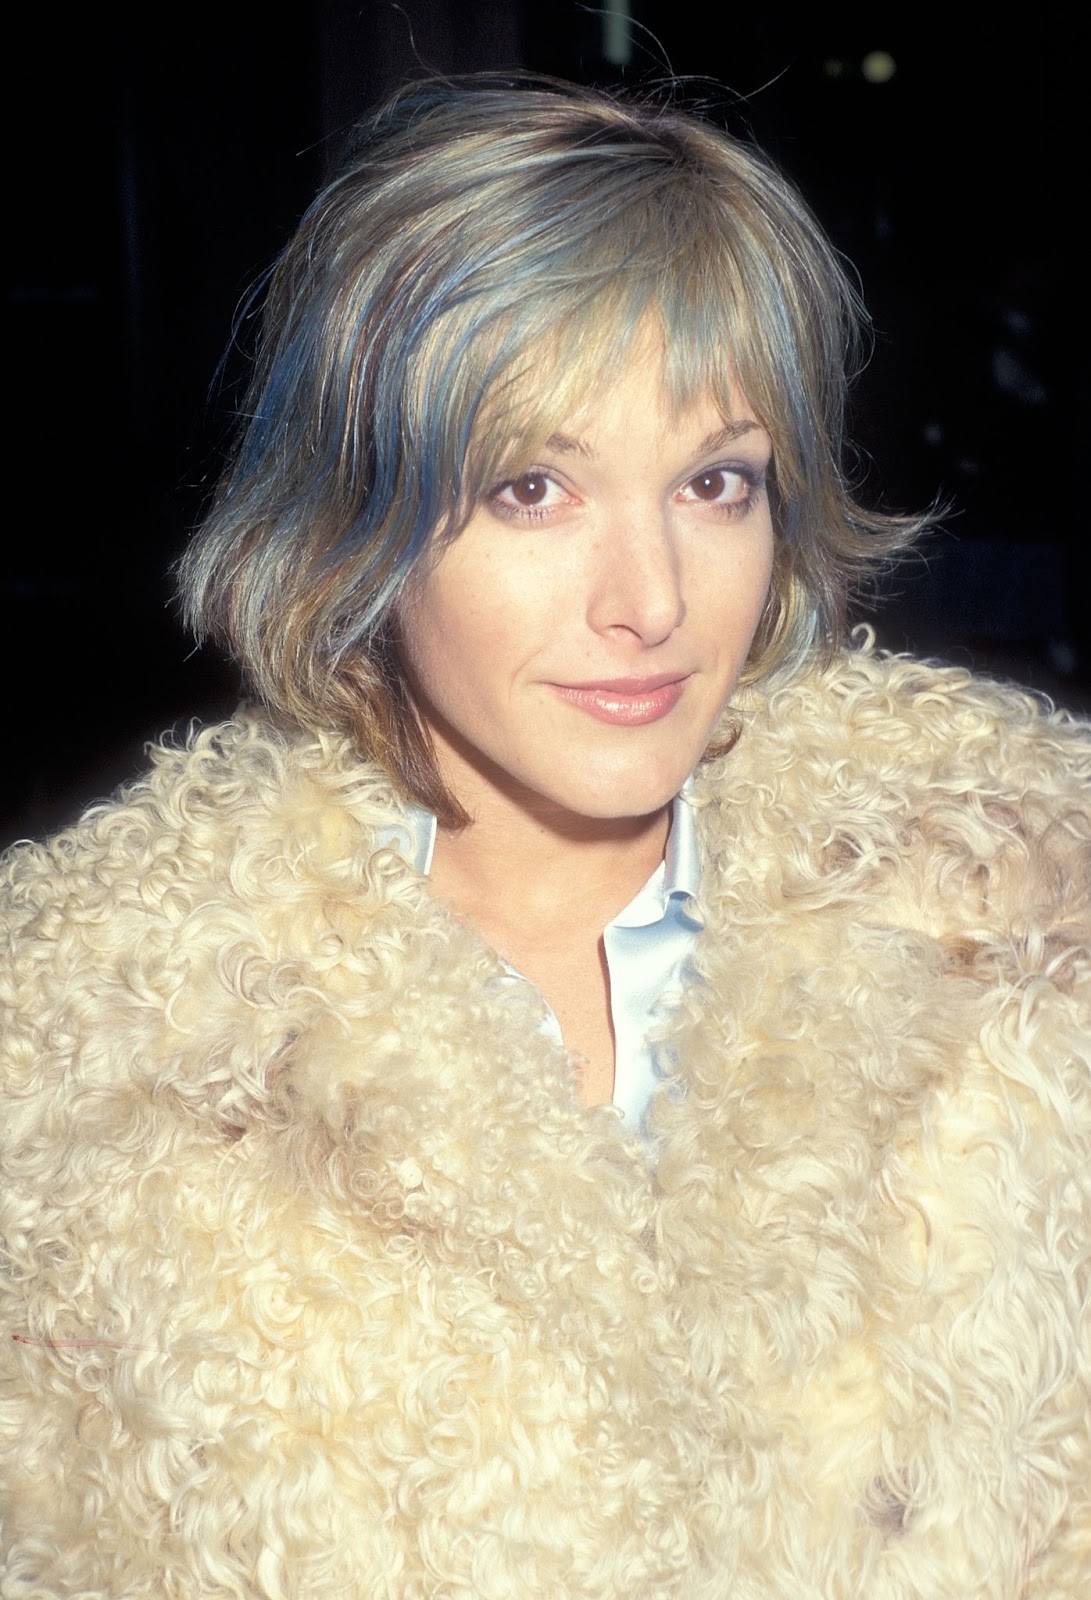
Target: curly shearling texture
x,y
317,1281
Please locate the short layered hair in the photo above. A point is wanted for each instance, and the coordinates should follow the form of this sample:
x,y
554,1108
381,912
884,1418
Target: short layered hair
x,y
478,269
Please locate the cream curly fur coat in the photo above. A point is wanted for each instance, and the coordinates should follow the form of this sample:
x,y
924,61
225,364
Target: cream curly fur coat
x,y
320,1284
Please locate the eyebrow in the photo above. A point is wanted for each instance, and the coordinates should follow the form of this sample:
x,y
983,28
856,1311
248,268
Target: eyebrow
x,y
565,444
728,434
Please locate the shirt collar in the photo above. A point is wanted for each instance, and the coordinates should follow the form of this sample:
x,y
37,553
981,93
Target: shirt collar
x,y
682,862
420,835
678,875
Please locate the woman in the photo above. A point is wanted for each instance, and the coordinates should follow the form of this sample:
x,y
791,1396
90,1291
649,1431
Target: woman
x,y
584,1091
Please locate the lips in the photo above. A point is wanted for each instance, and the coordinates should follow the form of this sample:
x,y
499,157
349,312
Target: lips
x,y
626,702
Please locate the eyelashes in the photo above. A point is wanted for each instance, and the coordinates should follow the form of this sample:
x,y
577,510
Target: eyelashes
x,y
730,490
530,497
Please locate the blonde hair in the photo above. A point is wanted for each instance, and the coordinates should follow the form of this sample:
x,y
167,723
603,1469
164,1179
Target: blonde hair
x,y
479,266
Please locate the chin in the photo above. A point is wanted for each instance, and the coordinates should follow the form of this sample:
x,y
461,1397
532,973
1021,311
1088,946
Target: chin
x,y
616,797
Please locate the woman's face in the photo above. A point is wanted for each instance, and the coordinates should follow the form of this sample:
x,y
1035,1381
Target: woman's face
x,y
573,648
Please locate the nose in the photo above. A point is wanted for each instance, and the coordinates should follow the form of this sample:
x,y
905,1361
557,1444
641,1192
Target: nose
x,y
637,583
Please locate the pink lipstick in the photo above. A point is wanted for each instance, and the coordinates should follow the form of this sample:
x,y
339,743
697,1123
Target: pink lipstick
x,y
627,702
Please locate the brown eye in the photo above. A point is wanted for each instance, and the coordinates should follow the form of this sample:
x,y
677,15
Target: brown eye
x,y
709,485
531,497
530,489
725,489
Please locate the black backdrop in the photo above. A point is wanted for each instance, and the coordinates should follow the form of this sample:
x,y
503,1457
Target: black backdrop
x,y
160,159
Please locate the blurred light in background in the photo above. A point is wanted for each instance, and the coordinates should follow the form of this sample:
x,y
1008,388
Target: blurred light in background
x,y
617,45
878,66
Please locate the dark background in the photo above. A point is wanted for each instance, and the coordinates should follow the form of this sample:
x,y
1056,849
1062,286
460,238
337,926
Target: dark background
x,y
161,158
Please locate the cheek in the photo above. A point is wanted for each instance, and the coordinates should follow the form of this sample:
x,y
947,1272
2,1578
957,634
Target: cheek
x,y
763,588
447,638
735,602
757,615
420,633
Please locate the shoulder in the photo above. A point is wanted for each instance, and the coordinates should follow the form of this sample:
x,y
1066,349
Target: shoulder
x,y
238,789
964,798
937,723
162,912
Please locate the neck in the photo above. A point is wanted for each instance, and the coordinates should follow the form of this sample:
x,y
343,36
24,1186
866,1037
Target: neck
x,y
537,866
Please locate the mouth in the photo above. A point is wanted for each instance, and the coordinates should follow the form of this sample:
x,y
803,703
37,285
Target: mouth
x,y
626,702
